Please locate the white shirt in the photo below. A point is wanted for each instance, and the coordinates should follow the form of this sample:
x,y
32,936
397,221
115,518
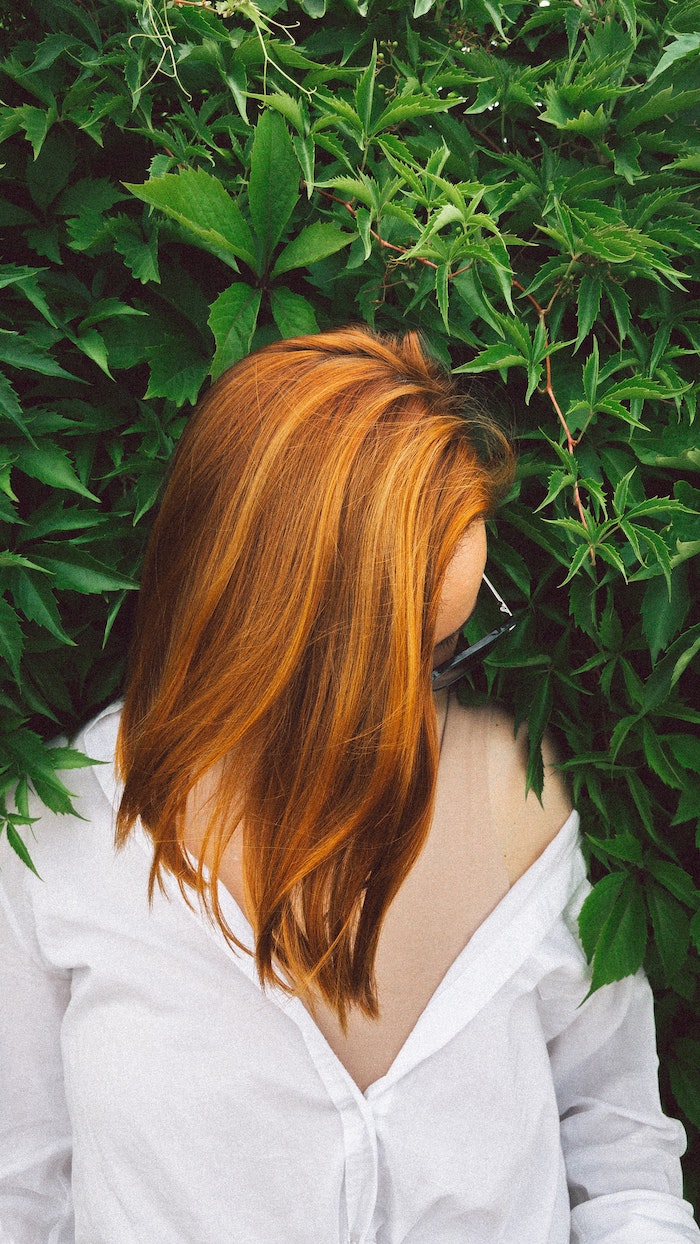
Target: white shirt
x,y
152,1093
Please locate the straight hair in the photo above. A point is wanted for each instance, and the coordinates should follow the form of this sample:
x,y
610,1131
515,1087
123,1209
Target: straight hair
x,y
284,638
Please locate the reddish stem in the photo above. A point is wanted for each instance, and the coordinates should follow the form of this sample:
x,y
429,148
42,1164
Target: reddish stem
x,y
402,250
486,138
388,245
542,313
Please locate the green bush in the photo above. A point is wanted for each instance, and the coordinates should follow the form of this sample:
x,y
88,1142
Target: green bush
x,y
181,183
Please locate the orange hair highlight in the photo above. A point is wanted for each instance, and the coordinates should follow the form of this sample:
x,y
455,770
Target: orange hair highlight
x,y
285,634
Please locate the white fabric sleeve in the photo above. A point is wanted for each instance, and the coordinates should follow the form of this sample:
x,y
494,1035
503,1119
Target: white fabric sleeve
x,y
622,1154
35,1133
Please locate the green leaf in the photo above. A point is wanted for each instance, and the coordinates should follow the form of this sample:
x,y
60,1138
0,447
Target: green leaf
x,y
671,927
625,390
659,548
108,309
622,942
620,846
11,638
21,353
287,105
201,204
146,491
468,286
610,407
93,345
305,151
34,598
442,290
686,749
343,114
597,909
558,480
70,758
331,144
55,516
53,793
237,82
610,629
675,879
495,13
642,802
662,617
657,758
293,314
362,188
315,242
538,716
178,370
625,158
15,559
232,320
51,465
590,374
682,45
629,15
572,21
667,673
689,804
8,512
409,108
534,376
78,571
620,303
19,847
10,407
591,124
140,254
608,553
493,358
404,167
691,162
363,220
274,181
36,123
661,103
48,51
588,306
364,91
26,282
620,731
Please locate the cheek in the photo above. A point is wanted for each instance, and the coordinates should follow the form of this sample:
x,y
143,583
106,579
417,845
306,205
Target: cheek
x,y
462,583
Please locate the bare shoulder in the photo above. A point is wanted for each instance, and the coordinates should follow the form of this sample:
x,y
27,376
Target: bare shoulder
x,y
525,825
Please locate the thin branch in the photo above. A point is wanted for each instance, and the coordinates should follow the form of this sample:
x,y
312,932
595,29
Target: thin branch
x,y
401,250
542,313
486,138
388,245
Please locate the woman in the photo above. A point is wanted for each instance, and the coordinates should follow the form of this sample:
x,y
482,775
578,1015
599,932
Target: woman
x,y
355,1007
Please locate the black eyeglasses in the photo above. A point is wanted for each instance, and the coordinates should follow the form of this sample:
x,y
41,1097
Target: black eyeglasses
x,y
450,671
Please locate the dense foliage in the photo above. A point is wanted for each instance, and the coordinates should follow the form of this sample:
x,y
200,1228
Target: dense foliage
x,y
181,183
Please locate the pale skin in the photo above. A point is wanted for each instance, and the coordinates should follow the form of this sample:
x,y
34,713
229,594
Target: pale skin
x,y
524,826
423,931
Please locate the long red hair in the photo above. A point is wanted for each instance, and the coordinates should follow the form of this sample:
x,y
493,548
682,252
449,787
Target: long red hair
x,y
285,632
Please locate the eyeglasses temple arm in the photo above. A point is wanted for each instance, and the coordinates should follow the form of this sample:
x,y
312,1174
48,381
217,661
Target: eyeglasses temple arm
x,y
501,603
